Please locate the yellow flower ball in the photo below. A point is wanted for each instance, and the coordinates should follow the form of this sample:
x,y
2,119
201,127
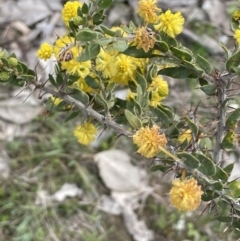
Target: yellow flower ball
x,y
148,10
70,11
85,133
237,35
170,23
45,51
185,195
149,141
159,85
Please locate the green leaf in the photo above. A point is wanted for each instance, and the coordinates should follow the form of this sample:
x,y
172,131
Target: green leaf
x,y
209,89
110,32
235,188
196,70
59,79
224,219
86,35
188,159
137,53
90,52
98,17
163,115
133,120
209,195
233,119
175,72
141,81
204,64
228,140
105,4
167,39
207,166
85,8
91,82
228,169
72,116
161,168
192,126
161,46
101,101
216,185
181,54
120,45
79,95
233,62
220,174
52,80
227,52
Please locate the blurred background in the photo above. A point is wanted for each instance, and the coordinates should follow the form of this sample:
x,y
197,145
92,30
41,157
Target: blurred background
x,y
54,189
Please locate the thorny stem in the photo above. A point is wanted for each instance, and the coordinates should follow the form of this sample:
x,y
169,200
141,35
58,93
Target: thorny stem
x,y
221,115
90,112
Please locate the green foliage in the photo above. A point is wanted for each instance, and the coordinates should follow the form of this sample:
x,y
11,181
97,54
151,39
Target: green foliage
x,y
132,58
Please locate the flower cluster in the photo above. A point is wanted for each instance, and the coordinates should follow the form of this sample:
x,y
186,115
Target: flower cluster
x,y
149,141
69,11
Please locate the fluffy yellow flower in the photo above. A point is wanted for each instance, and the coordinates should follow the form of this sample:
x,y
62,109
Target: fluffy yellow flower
x,y
144,39
56,101
105,63
70,11
85,133
148,10
237,35
82,85
187,135
159,85
185,195
149,141
170,23
45,51
126,69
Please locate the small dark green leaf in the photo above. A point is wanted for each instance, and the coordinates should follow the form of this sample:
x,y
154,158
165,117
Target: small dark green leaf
x,y
97,17
209,89
52,80
105,4
161,46
24,67
110,32
220,174
217,185
196,70
204,64
101,101
233,62
79,12
207,166
175,72
133,120
137,53
79,95
228,169
85,8
228,140
192,126
224,219
167,39
209,195
161,168
181,54
227,52
59,79
86,34
72,116
161,115
188,159
91,82
233,119
90,52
